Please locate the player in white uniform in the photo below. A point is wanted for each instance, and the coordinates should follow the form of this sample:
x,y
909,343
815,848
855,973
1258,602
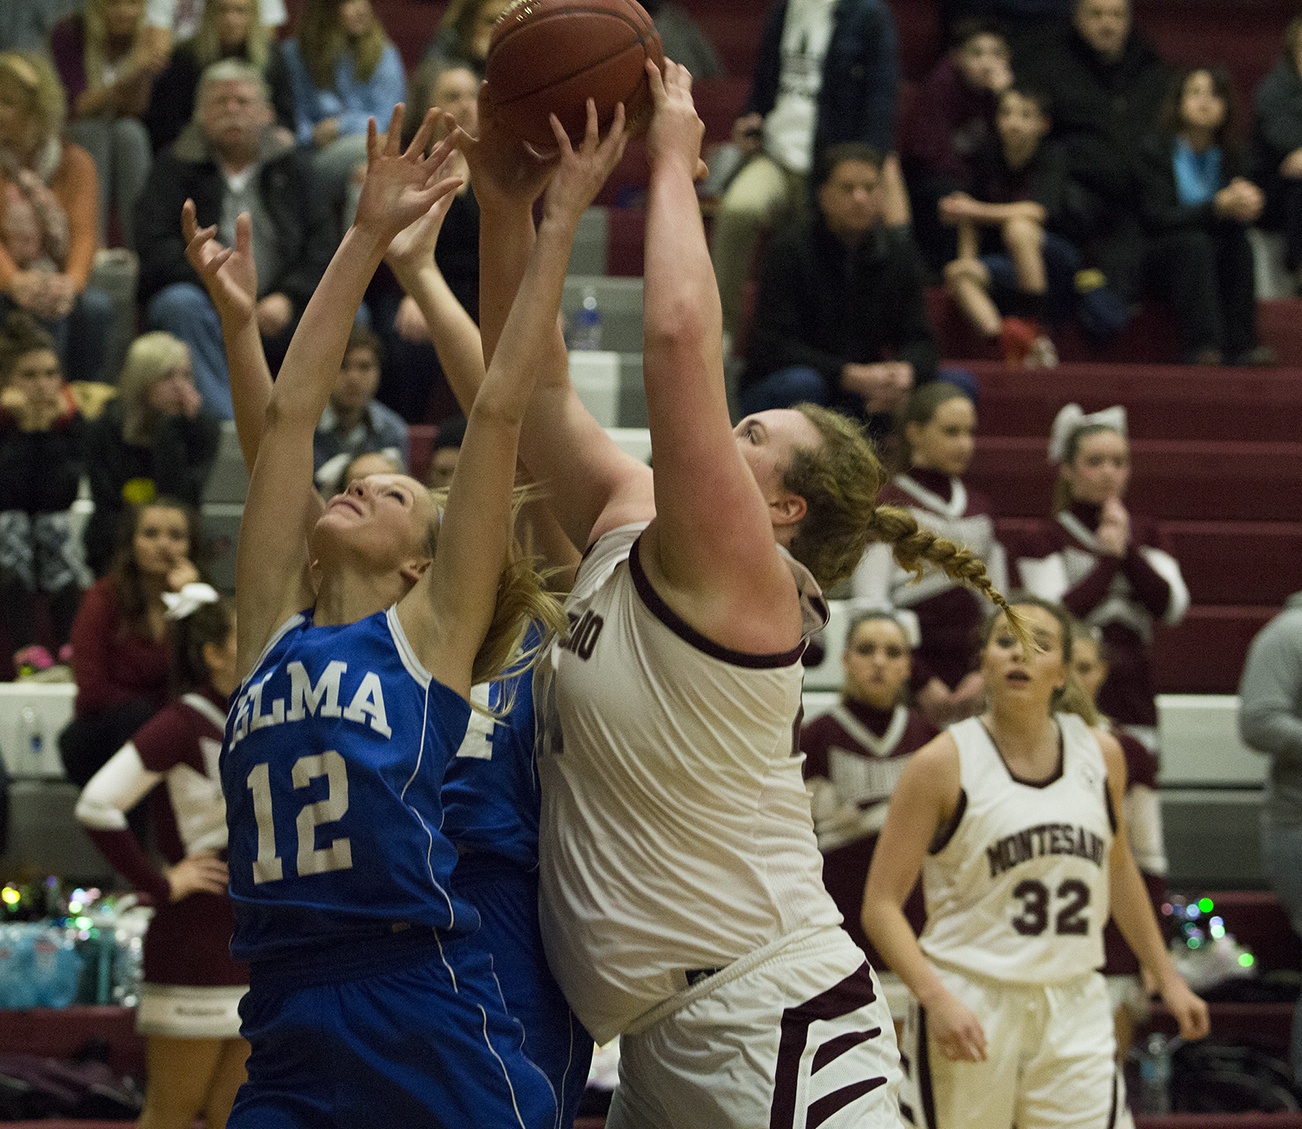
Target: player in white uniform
x,y
1016,821
680,893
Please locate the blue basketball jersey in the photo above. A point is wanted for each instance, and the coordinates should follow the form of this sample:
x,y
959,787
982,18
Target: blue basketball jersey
x,y
490,795
336,748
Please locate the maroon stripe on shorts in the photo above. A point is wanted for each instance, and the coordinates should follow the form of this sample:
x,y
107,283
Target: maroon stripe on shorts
x,y
851,994
835,1048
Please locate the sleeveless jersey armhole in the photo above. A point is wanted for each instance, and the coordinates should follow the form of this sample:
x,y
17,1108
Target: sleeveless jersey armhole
x,y
947,832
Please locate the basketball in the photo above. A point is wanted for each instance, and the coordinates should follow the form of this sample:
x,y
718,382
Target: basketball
x,y
550,56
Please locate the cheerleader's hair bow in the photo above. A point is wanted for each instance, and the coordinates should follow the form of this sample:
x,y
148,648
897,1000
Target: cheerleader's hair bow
x,y
1071,419
189,599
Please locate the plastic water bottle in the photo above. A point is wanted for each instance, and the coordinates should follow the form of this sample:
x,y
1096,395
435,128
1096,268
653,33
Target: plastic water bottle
x,y
31,738
1155,1075
585,329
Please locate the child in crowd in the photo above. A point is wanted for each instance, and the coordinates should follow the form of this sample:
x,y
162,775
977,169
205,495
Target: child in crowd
x,y
855,753
42,458
1197,206
1011,272
951,118
192,987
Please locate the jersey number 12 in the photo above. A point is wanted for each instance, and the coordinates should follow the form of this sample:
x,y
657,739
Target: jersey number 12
x,y
311,859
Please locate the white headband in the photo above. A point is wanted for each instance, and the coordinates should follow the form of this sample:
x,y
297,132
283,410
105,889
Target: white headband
x,y
1071,419
189,599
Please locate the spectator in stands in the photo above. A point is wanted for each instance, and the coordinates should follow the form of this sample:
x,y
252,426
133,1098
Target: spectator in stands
x,y
1270,721
936,430
951,117
120,660
827,73
1276,161
1105,84
154,439
413,384
1197,207
343,70
230,29
56,180
232,163
42,459
1026,22
464,32
1011,274
683,40
447,449
1106,565
1143,812
354,423
25,25
855,753
842,317
107,67
168,22
192,988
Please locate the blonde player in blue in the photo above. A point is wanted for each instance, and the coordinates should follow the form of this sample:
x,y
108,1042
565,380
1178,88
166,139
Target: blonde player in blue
x,y
1016,821
367,1006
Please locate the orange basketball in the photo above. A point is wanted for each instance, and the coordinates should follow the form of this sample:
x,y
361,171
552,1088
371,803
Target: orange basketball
x,y
551,56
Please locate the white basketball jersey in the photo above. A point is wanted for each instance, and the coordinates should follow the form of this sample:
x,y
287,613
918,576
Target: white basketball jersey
x,y
1019,892
676,834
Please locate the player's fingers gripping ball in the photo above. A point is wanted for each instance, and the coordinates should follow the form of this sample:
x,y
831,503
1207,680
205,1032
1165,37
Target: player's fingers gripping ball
x,y
551,56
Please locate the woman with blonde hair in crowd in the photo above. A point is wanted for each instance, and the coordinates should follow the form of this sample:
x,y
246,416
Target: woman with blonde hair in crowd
x,y
1016,821
344,70
1105,565
153,438
229,29
108,66
55,183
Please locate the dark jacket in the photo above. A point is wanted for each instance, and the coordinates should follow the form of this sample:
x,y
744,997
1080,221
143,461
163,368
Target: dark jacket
x,y
300,215
171,104
1101,110
1159,200
861,74
822,305
176,464
1276,120
40,471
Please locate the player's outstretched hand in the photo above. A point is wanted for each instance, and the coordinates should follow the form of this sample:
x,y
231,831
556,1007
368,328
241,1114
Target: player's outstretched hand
x,y
581,172
505,173
957,1030
412,249
676,130
229,274
401,185
1189,1010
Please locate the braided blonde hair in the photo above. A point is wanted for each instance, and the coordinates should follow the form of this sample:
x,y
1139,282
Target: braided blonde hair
x,y
839,482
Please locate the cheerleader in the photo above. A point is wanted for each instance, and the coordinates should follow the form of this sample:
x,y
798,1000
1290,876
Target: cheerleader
x,y
855,753
936,433
1106,565
195,1057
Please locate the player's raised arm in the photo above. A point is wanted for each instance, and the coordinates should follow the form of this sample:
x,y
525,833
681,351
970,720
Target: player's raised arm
x,y
454,601
591,484
272,564
712,543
